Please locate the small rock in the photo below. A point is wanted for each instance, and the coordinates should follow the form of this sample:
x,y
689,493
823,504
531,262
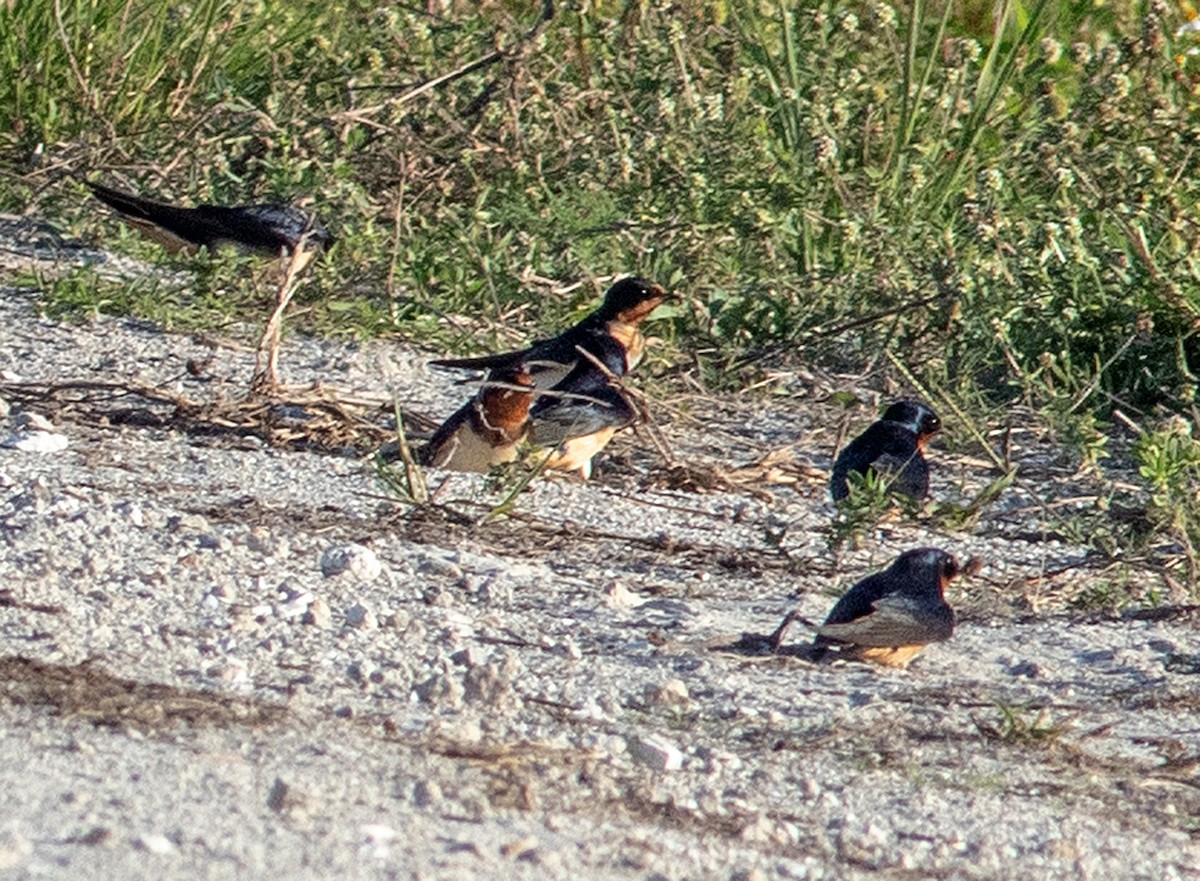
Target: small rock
x,y
471,656
672,694
1027,669
226,593
294,604
189,522
521,849
440,690
277,797
319,614
5,408
362,673
37,442
14,848
377,832
399,620
490,590
132,512
152,842
655,752
431,565
261,541
618,596
426,793
361,617
31,422
357,560
95,836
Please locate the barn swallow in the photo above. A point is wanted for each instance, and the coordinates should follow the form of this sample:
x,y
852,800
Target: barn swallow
x,y
583,412
268,229
894,445
888,618
626,304
485,431
590,409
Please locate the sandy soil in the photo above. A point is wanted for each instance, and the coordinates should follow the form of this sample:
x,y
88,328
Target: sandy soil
x,y
227,658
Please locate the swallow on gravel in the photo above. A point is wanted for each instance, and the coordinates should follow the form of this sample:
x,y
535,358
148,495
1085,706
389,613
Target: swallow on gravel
x,y
588,408
485,431
894,446
888,618
268,229
582,413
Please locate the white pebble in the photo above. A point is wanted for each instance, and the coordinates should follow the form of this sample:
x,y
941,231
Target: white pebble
x,y
155,843
37,442
655,751
14,848
618,596
355,559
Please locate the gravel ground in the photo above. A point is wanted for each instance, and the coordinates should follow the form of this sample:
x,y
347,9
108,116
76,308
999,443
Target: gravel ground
x,y
223,659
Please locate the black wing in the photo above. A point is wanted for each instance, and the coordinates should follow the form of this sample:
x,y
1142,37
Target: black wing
x,y
895,620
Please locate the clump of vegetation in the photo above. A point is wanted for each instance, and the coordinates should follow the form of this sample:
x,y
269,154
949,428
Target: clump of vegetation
x,y
1169,460
997,200
1022,725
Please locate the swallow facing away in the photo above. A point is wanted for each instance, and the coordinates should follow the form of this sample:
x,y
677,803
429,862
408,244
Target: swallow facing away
x,y
892,446
485,431
577,408
269,229
888,618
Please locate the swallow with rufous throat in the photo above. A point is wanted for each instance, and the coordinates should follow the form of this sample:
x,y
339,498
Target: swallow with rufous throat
x,y
888,618
578,407
269,229
892,447
485,431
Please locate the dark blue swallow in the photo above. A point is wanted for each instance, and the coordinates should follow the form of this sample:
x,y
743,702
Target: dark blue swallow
x,y
269,229
888,618
892,448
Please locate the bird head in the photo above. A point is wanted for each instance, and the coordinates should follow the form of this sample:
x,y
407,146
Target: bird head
x,y
631,299
924,568
915,416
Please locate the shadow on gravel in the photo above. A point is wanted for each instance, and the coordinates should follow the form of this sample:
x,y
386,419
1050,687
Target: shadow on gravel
x,y
88,692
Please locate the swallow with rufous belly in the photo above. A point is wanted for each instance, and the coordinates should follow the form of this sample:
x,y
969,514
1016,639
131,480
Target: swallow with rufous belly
x,y
894,448
578,405
890,617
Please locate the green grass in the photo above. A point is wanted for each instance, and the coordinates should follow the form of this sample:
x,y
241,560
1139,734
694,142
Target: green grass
x,y
996,202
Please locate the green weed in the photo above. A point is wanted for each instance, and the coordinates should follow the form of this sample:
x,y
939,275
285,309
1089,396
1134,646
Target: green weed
x,y
1022,725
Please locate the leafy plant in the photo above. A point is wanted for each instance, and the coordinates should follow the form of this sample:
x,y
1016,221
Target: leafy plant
x,y
1022,725
1169,460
